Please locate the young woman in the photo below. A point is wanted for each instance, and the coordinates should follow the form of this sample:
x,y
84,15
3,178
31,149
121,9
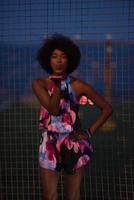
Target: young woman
x,y
64,144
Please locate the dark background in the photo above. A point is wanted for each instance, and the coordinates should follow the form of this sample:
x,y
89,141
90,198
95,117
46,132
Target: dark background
x,y
104,31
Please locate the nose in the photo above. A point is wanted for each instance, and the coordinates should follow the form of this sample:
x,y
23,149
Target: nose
x,y
59,59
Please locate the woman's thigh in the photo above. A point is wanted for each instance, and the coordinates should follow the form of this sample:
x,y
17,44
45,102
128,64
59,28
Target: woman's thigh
x,y
49,180
72,184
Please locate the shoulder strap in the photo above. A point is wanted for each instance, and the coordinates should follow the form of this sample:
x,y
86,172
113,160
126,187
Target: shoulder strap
x,y
64,83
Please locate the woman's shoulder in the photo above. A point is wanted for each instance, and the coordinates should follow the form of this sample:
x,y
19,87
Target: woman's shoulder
x,y
77,81
74,79
80,87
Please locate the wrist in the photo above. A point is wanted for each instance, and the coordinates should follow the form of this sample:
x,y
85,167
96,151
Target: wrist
x,y
56,80
87,132
57,89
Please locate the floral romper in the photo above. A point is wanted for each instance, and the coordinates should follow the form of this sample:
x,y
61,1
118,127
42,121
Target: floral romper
x,y
57,149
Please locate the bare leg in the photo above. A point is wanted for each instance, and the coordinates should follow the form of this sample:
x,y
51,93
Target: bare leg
x,y
72,185
49,181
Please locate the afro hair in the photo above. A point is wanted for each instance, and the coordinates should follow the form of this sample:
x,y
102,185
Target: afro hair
x,y
62,43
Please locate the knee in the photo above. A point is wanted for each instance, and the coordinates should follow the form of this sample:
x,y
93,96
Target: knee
x,y
73,196
49,195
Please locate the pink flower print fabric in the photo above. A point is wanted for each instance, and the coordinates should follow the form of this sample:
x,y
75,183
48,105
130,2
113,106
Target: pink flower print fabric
x,y
62,123
44,118
57,149
84,100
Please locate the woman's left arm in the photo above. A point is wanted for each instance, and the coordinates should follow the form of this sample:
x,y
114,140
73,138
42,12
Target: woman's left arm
x,y
99,101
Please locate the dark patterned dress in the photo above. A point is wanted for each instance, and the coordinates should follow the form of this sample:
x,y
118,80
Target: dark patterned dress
x,y
57,149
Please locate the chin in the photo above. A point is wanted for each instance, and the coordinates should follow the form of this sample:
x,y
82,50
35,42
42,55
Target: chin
x,y
59,73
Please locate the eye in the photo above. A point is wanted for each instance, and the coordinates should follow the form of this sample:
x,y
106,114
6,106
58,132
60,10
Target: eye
x,y
54,56
64,56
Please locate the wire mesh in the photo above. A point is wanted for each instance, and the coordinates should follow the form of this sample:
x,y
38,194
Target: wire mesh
x,y
102,30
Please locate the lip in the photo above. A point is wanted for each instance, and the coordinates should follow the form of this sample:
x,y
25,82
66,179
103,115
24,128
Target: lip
x,y
58,67
58,70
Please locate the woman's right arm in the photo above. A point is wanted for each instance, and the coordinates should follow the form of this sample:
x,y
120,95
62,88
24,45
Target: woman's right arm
x,y
51,103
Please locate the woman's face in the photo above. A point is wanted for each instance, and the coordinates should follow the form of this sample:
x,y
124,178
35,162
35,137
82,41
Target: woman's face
x,y
58,62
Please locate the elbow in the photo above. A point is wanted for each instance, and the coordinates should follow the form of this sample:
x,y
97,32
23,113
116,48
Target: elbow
x,y
54,112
